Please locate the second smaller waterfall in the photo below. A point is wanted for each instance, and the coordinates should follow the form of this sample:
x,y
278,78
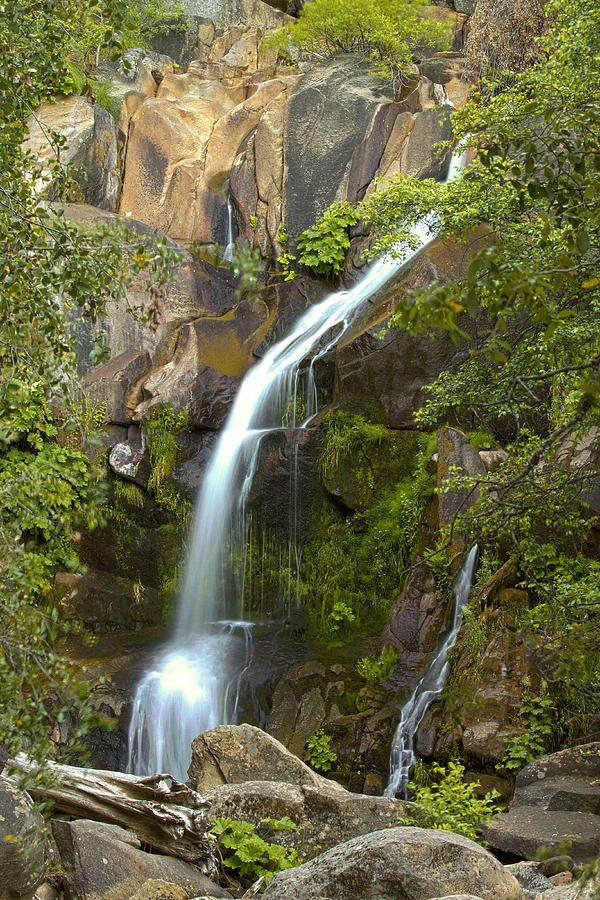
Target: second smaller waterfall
x,y
430,686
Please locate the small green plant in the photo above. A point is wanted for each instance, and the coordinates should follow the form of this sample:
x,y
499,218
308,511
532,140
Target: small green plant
x,y
537,713
374,671
450,803
340,618
319,753
253,222
282,235
286,262
324,246
248,854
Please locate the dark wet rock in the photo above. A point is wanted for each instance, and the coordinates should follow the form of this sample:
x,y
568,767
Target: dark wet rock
x,y
130,459
22,862
398,864
417,619
456,457
116,383
105,861
105,602
556,803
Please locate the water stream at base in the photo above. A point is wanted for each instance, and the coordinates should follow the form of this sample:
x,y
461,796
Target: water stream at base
x,y
430,686
193,686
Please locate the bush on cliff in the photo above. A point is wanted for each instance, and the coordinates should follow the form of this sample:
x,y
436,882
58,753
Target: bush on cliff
x,y
388,33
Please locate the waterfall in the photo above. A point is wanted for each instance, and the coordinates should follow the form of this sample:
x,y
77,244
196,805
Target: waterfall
x,y
430,686
229,245
190,689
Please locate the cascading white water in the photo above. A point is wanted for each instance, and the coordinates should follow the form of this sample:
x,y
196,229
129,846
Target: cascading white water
x,y
229,245
430,686
188,691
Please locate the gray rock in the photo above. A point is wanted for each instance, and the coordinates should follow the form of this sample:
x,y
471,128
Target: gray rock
x,y
106,861
325,816
22,863
398,864
529,877
431,126
456,457
556,807
525,830
130,461
333,113
236,12
232,754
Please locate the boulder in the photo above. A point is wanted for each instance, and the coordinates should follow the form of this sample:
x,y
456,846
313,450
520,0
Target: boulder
x,y
556,807
431,127
529,876
211,356
156,889
525,831
325,816
233,12
116,383
193,43
456,457
90,133
486,741
417,619
232,754
105,861
399,864
338,119
133,79
22,862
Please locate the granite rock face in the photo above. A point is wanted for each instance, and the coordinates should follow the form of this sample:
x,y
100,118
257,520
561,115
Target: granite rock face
x,y
22,863
398,864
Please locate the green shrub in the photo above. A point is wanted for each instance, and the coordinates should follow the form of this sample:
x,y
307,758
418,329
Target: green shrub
x,y
537,714
451,804
324,246
248,854
374,671
320,755
386,32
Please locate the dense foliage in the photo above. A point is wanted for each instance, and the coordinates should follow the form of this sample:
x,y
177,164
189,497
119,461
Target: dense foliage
x,y
450,803
51,273
388,33
531,378
246,854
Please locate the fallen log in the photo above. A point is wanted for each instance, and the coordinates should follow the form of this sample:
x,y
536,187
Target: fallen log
x,y
166,815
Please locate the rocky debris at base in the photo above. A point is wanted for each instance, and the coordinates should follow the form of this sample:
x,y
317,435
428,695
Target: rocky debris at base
x,y
556,807
399,864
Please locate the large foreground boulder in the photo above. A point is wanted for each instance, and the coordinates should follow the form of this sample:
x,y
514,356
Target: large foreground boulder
x,y
398,864
556,806
105,861
21,848
232,754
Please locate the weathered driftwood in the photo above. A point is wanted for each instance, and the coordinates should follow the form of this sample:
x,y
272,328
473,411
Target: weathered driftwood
x,y
163,813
